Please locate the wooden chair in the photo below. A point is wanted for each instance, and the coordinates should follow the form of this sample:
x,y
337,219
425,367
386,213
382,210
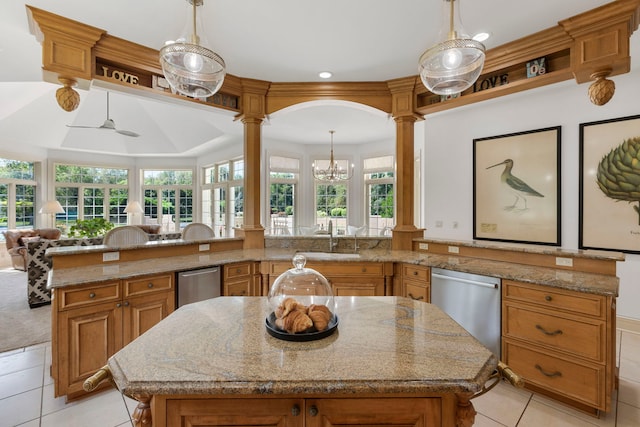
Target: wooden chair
x,y
126,235
197,231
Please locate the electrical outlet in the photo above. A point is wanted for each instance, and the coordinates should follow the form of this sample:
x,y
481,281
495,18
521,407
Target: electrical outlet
x,y
424,246
565,262
455,224
454,250
110,256
203,247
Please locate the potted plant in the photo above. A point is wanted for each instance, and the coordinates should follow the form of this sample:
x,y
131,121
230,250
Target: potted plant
x,y
93,227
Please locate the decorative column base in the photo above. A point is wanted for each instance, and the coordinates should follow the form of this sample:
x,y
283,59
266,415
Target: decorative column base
x,y
402,237
253,237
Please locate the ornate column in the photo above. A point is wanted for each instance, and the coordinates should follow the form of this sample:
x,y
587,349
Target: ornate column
x,y
403,101
253,113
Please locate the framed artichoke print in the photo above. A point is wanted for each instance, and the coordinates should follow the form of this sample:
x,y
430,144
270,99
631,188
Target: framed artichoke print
x,y
516,187
610,185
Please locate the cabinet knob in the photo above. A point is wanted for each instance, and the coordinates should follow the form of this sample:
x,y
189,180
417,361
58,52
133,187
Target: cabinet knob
x,y
364,270
313,410
150,285
415,273
92,295
238,270
118,305
126,303
548,298
295,410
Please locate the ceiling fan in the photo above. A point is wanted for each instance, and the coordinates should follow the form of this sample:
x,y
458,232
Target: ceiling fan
x,y
108,124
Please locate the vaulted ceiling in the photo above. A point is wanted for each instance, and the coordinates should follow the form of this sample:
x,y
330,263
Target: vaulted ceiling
x,y
280,41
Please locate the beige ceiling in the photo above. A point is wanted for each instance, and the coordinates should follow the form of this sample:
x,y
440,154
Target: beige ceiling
x,y
277,40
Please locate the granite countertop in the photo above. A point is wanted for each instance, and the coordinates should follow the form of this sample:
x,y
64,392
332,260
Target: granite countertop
x,y
221,346
570,280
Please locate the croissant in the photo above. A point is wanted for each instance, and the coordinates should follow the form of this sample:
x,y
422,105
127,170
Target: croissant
x,y
286,306
295,321
320,315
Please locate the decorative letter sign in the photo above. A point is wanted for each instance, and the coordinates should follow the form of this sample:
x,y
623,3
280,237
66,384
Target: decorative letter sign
x,y
536,67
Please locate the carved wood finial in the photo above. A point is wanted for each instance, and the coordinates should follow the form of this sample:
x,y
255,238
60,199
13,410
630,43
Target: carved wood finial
x,y
601,91
68,99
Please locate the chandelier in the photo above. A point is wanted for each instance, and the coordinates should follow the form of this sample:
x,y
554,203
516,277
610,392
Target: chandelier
x,y
333,172
190,68
455,63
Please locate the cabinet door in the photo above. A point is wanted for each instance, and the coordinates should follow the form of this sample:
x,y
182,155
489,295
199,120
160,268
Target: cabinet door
x,y
238,289
357,286
141,313
235,412
404,412
87,337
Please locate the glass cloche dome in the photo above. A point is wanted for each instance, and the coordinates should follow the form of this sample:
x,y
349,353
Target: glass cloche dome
x,y
301,302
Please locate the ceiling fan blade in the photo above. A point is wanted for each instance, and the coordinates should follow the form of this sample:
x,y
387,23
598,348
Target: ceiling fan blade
x,y
128,133
83,127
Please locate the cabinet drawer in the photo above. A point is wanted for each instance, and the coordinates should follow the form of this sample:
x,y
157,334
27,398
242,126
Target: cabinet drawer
x,y
416,272
237,289
237,270
582,382
583,337
147,285
591,305
79,296
348,268
416,290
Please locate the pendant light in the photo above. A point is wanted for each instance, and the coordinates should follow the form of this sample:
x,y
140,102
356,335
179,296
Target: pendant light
x,y
190,68
455,63
333,173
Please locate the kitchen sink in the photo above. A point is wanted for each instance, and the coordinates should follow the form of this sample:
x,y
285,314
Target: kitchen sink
x,y
328,255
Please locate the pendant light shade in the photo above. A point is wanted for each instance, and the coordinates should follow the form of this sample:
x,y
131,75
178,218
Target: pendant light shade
x,y
190,68
455,63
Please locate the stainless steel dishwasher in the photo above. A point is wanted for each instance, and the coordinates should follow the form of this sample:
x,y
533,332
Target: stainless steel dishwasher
x,y
198,285
471,300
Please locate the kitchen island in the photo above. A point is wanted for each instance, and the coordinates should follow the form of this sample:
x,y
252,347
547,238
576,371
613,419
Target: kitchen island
x,y
390,361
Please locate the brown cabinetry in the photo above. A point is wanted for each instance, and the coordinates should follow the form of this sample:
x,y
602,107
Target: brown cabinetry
x,y
92,322
561,342
241,279
346,278
300,412
415,282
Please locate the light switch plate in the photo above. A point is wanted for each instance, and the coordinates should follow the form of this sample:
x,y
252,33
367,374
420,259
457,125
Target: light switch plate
x,y
110,256
203,247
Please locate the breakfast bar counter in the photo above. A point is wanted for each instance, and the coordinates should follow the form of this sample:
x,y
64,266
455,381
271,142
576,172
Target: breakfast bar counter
x,y
392,358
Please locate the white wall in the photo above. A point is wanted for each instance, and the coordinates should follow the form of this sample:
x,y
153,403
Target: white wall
x,y
448,157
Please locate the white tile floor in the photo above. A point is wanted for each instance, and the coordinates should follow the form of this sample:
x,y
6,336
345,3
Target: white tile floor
x,y
26,398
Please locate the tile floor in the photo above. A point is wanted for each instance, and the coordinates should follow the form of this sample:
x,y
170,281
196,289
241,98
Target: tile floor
x,y
26,398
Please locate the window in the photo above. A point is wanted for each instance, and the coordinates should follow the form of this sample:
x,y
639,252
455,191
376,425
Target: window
x,y
168,198
223,197
87,192
283,181
331,205
379,184
17,194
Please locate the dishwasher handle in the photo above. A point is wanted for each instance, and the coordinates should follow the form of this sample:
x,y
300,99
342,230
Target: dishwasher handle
x,y
198,272
470,282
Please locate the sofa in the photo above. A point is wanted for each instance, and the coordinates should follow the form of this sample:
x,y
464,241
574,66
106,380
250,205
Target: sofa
x,y
18,239
38,264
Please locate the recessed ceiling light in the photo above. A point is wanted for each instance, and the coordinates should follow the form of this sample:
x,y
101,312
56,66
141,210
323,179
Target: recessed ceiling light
x,y
325,74
480,37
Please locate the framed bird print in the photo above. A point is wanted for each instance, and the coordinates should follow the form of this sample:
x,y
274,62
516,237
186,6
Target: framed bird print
x,y
610,185
516,187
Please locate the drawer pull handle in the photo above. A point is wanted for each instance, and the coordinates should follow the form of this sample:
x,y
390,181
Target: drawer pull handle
x,y
313,410
548,374
551,334
364,270
92,295
150,285
415,273
415,298
295,410
548,298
